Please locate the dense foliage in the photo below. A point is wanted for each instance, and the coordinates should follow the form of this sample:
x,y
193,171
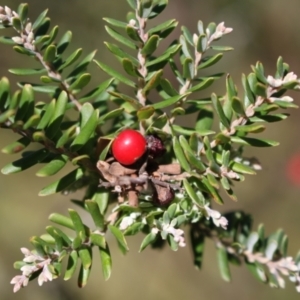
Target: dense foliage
x,y
184,170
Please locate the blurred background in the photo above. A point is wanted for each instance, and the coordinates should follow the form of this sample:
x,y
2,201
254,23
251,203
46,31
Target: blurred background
x,y
263,30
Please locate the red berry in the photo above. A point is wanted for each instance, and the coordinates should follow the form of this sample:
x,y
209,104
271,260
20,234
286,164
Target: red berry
x,y
128,147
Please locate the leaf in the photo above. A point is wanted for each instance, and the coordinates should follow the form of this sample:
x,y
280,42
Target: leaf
x,y
170,52
71,59
129,67
101,197
25,72
202,85
251,128
149,239
145,113
64,42
71,266
169,101
80,228
132,33
98,218
80,82
85,132
192,194
17,146
167,87
62,183
54,166
223,263
153,82
47,116
120,238
106,261
120,38
25,162
26,105
83,276
82,66
180,155
163,29
218,107
85,255
50,54
134,102
39,20
98,240
116,23
204,119
197,241
115,74
210,61
119,53
150,45
254,142
62,220
187,35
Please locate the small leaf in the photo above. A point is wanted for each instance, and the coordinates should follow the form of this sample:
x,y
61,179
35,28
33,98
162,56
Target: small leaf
x,y
71,59
202,43
180,155
129,67
50,54
169,101
223,263
150,45
192,194
85,255
254,142
71,266
64,42
17,146
115,74
39,19
218,107
54,166
149,239
202,85
83,276
98,218
204,119
153,82
80,82
85,132
116,23
210,61
120,38
145,113
25,72
106,261
62,220
120,238
25,162
80,228
62,183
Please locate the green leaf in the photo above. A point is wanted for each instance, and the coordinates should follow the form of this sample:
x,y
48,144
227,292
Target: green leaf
x,y
6,40
158,8
202,85
50,54
49,89
101,196
106,261
71,266
26,72
188,68
129,67
17,146
134,102
214,193
237,106
40,19
169,101
185,47
192,194
133,4
80,82
145,113
80,228
26,105
85,255
62,183
204,119
253,142
252,128
218,107
98,240
153,82
82,66
223,263
170,52
47,116
221,48
116,23
23,11
62,220
83,276
163,29
149,239
120,38
58,115
64,42
202,43
180,155
71,59
187,35
119,53
23,50
167,87
133,34
150,45
120,238
25,162
197,241
54,166
98,218
210,61
115,74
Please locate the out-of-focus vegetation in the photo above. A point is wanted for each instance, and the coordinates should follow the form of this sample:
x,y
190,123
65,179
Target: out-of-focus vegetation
x,y
263,30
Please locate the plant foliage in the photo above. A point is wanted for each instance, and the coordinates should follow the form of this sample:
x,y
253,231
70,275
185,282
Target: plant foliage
x,y
161,196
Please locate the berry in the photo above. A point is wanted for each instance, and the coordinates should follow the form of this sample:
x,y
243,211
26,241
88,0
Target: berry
x,y
128,147
155,146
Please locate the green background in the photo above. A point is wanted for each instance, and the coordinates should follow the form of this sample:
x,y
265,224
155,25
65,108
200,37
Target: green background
x,y
263,30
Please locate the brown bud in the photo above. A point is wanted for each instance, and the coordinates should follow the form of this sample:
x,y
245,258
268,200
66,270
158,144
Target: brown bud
x,y
163,196
155,146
